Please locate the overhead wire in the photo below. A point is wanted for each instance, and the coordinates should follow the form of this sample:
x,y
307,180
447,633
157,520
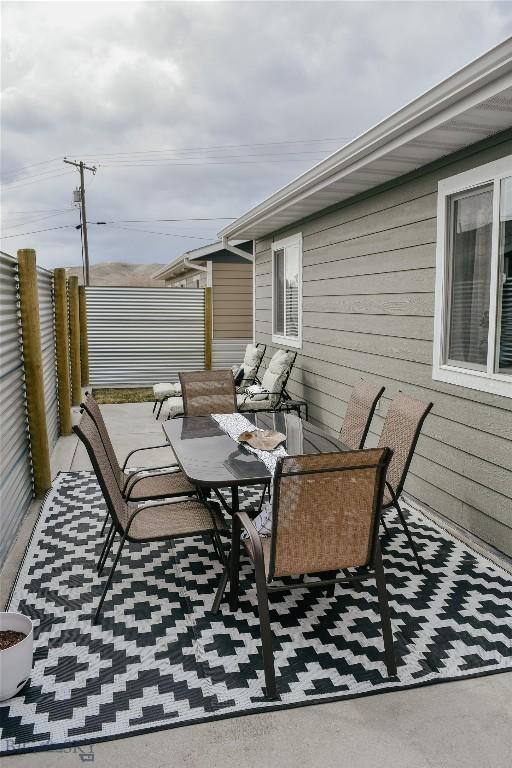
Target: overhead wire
x,y
38,218
177,151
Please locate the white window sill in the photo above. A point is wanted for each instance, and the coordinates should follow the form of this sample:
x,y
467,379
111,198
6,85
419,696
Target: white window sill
x,y
287,341
495,384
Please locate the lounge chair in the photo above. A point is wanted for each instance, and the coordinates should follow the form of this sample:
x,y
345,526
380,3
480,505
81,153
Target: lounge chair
x,y
271,395
325,517
245,375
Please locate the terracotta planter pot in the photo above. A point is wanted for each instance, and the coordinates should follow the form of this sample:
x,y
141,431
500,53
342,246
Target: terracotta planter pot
x,y
15,661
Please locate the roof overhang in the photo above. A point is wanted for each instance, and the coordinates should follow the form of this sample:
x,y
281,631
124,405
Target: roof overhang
x,y
211,252
469,106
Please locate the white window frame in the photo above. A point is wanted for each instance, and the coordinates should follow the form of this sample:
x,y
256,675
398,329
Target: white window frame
x,y
488,380
278,245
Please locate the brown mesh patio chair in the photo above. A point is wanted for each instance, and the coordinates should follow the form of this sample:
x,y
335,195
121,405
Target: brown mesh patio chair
x,y
164,521
206,392
360,410
400,432
138,485
325,517
143,484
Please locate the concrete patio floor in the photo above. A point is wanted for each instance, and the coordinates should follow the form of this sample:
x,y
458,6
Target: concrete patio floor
x,y
465,724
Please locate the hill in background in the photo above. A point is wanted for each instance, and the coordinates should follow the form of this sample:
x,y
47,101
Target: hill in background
x,y
119,273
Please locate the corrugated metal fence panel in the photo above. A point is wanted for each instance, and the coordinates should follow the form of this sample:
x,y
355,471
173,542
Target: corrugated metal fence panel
x,y
139,336
16,487
47,324
228,352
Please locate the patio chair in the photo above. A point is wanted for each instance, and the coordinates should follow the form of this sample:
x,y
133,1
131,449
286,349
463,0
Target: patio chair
x,y
155,521
272,394
400,432
142,484
207,392
245,375
359,414
325,517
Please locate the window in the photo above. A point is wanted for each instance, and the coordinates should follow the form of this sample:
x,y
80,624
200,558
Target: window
x,y
287,291
473,303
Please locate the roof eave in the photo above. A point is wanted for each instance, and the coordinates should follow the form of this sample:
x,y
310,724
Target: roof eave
x,y
467,85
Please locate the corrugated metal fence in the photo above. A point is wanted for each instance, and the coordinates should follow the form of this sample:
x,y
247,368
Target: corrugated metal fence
x,y
47,325
16,488
139,336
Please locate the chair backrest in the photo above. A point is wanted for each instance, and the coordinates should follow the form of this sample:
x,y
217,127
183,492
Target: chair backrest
x,y
360,410
206,392
91,406
252,361
326,510
278,371
400,432
87,431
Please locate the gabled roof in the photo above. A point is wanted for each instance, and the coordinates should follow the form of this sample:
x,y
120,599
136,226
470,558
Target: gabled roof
x,y
471,105
212,252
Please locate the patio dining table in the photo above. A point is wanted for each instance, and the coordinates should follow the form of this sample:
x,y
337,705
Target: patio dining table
x,y
210,458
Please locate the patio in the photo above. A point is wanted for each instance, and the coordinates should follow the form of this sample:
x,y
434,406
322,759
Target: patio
x,y
464,723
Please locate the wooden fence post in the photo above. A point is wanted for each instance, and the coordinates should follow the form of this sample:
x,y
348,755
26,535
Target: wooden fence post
x,y
62,349
33,364
208,327
84,341
74,341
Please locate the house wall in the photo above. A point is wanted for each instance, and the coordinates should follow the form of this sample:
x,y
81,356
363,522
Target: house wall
x,y
190,279
368,305
232,300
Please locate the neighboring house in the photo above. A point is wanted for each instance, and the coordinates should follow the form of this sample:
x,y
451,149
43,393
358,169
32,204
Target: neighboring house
x,y
392,260
227,270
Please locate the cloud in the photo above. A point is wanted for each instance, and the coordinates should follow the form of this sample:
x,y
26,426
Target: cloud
x,y
93,80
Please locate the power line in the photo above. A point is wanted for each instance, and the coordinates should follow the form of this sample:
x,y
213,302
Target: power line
x,y
152,232
148,221
219,146
207,163
37,231
15,172
41,210
128,229
38,181
217,157
38,218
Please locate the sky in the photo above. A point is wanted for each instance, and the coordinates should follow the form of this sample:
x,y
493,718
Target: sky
x,y
199,110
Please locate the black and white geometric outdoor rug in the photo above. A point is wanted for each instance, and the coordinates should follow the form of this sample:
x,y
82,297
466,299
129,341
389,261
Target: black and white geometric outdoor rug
x,y
159,659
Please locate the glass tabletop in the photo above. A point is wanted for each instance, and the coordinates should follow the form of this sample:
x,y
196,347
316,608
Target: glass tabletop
x,y
209,457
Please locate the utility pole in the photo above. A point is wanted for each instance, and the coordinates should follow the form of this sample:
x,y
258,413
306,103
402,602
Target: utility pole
x,y
81,167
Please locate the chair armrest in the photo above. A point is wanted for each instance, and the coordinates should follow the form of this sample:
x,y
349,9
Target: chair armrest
x,y
144,507
252,533
250,396
133,479
147,448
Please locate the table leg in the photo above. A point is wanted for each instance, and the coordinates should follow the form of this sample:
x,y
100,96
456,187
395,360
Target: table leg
x,y
235,506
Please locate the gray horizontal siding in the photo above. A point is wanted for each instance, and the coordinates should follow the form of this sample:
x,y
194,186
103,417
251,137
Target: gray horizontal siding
x,y
368,306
